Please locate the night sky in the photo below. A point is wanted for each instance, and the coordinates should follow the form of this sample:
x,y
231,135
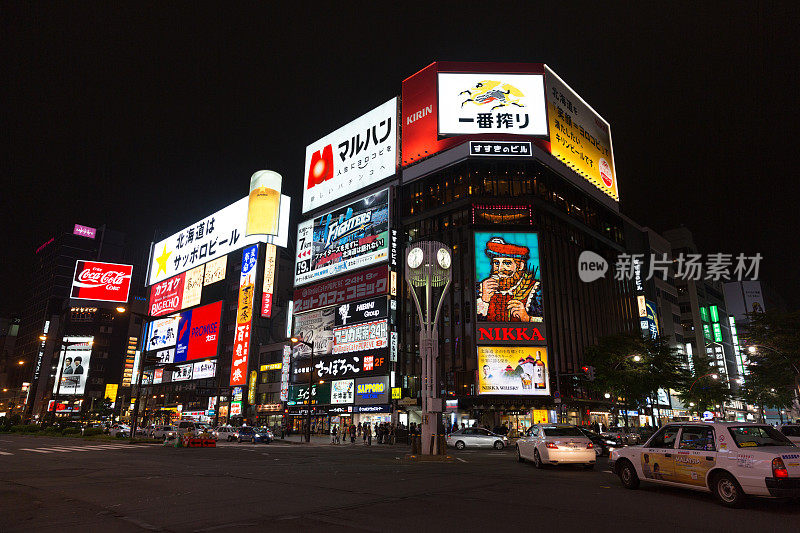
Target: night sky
x,y
148,118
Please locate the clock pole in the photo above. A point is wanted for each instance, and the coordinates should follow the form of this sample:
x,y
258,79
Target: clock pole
x,y
428,275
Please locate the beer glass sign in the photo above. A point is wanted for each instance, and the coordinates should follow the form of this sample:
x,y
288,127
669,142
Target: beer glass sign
x,y
264,202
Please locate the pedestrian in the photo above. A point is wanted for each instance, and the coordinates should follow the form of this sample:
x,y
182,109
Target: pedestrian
x,y
352,433
333,434
369,435
392,434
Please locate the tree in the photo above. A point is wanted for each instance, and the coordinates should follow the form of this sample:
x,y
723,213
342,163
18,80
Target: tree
x,y
633,368
773,352
706,389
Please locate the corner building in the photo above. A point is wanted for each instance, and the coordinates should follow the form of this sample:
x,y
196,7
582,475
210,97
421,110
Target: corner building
x,y
543,198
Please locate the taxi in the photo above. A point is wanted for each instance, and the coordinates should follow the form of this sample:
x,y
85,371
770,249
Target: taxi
x,y
732,460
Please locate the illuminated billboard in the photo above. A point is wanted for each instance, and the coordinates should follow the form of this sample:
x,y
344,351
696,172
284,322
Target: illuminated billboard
x,y
513,370
316,328
73,366
215,270
342,391
162,333
352,237
479,103
341,366
579,136
176,293
244,316
361,337
104,282
508,275
343,289
372,390
270,265
351,158
211,238
198,333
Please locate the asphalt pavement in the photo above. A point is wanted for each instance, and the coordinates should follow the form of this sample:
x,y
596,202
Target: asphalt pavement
x,y
62,484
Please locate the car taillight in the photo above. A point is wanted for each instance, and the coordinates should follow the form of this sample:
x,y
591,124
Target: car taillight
x,y
550,445
778,468
589,446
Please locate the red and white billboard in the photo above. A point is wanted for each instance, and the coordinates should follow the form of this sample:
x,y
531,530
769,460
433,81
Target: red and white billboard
x,y
104,282
167,296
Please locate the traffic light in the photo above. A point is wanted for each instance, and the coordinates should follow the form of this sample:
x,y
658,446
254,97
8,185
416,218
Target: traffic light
x,y
589,372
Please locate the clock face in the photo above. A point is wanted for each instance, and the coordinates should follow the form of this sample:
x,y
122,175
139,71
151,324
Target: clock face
x,y
443,256
415,257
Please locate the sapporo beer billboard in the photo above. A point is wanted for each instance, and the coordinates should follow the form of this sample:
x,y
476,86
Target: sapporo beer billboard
x,y
579,136
351,158
348,238
513,370
344,289
211,238
104,282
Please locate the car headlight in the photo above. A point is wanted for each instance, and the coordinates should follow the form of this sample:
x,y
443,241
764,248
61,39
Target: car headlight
x,y
609,442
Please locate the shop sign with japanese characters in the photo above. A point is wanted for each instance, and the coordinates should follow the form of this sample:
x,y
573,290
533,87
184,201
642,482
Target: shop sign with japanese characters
x,y
500,148
351,237
244,316
211,238
361,337
342,366
351,158
479,103
344,289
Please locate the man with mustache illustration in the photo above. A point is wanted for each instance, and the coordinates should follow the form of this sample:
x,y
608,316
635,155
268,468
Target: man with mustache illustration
x,y
511,293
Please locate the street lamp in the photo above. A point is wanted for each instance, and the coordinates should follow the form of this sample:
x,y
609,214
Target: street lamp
x,y
120,309
295,341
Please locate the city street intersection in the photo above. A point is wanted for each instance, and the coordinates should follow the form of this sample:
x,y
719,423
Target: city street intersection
x,y
57,484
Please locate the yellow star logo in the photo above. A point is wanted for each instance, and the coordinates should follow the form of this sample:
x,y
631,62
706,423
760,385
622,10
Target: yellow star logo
x,y
162,261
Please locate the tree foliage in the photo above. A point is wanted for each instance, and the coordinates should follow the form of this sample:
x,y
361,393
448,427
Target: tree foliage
x,y
620,373
704,390
774,363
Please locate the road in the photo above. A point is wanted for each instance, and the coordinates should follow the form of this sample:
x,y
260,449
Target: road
x,y
61,484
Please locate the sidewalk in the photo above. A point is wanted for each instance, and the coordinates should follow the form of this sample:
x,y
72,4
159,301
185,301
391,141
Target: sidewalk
x,y
325,440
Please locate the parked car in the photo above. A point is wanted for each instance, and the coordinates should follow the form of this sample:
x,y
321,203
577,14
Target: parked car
x,y
792,432
147,430
602,445
733,460
164,432
120,430
621,436
193,427
227,433
476,438
253,434
556,444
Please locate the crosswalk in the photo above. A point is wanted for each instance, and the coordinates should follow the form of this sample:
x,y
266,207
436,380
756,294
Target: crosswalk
x,y
70,449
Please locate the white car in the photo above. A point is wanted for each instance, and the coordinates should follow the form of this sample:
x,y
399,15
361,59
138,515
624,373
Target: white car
x,y
120,429
476,438
792,432
733,460
193,427
164,432
227,433
556,444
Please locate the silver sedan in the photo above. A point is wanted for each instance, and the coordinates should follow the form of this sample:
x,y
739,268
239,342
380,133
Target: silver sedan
x,y
476,438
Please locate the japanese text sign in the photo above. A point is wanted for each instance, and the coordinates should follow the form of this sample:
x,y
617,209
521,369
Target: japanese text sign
x,y
244,316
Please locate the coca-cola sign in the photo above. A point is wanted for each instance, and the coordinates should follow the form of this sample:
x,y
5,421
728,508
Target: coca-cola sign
x,y
105,282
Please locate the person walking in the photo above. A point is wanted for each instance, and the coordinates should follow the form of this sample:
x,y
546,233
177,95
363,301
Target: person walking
x,y
352,433
369,435
333,434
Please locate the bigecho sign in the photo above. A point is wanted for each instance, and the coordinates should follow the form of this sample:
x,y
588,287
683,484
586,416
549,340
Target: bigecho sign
x,y
167,296
105,282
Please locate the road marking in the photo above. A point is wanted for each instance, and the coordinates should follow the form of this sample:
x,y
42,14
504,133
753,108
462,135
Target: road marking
x,y
460,459
5,453
32,450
